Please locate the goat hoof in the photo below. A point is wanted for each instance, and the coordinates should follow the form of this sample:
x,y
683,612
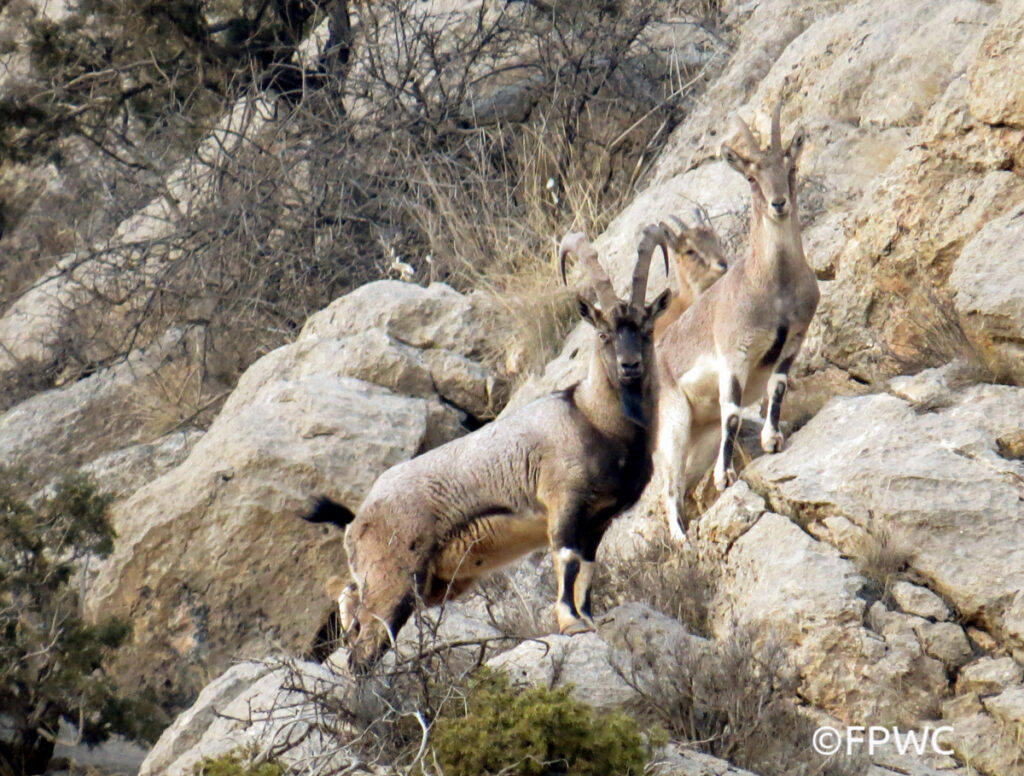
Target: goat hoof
x,y
771,442
676,531
723,479
576,626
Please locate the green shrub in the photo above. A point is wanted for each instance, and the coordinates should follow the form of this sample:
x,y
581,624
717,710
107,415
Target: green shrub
x,y
50,659
533,732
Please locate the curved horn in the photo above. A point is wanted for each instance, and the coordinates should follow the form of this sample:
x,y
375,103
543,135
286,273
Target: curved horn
x,y
748,137
577,243
679,222
653,236
702,217
777,127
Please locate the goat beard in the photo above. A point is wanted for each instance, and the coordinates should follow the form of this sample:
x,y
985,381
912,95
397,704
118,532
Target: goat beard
x,y
633,405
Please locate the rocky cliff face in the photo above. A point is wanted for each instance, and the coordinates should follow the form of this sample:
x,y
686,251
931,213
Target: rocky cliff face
x,y
881,554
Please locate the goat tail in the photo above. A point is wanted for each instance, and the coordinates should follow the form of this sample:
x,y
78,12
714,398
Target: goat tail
x,y
327,511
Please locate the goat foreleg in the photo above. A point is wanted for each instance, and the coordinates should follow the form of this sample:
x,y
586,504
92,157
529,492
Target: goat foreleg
x,y
771,437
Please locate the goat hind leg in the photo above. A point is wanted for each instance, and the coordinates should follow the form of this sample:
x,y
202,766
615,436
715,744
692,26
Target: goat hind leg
x,y
670,455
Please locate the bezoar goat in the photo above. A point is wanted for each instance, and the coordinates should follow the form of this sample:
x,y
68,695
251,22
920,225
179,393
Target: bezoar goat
x,y
554,472
698,260
740,338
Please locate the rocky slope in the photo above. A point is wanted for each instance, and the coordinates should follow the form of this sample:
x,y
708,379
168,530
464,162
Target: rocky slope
x,y
881,553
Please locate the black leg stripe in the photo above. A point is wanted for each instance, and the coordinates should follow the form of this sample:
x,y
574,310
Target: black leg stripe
x,y
736,392
569,575
776,408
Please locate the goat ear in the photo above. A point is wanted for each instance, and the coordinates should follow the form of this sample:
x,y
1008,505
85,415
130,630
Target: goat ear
x,y
796,146
736,160
587,310
659,305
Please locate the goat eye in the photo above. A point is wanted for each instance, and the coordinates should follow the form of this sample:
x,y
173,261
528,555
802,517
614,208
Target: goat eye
x,y
603,336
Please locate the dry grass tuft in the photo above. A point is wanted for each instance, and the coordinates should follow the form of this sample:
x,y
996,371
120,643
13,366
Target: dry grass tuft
x,y
668,579
882,555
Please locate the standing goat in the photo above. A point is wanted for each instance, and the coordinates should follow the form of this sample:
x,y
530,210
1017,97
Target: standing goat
x,y
699,261
741,336
556,471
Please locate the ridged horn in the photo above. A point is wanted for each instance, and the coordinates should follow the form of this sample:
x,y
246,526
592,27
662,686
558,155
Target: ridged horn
x,y
748,137
653,236
777,127
578,244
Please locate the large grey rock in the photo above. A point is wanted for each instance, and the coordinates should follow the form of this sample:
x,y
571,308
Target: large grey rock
x,y
984,744
124,471
297,426
996,96
584,660
988,279
989,676
935,480
237,499
1008,706
64,428
263,708
433,317
190,726
764,31
784,586
918,600
631,641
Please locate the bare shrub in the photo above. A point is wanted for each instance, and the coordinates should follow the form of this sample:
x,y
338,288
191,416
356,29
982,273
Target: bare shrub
x,y
514,610
456,156
670,580
735,699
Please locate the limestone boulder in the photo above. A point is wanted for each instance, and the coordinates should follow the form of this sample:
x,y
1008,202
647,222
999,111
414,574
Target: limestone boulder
x,y
212,561
918,600
124,471
764,30
784,586
64,428
1008,706
935,481
997,97
988,281
989,676
584,660
434,317
262,707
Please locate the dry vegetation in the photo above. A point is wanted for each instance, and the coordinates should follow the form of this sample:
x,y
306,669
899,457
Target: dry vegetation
x,y
458,156
733,698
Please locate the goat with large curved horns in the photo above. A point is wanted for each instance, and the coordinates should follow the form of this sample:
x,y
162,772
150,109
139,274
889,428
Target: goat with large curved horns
x,y
553,472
